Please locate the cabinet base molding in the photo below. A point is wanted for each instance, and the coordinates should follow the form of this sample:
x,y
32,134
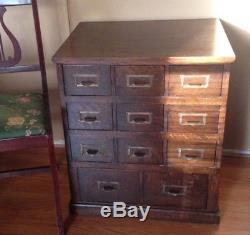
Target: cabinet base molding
x,y
175,215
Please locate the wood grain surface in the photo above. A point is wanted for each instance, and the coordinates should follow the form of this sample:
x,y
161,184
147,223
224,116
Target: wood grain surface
x,y
141,42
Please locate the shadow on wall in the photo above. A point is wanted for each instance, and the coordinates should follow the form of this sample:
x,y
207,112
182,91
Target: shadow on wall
x,y
55,109
238,113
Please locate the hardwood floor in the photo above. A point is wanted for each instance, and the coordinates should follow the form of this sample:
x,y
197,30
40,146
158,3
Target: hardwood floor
x,y
26,205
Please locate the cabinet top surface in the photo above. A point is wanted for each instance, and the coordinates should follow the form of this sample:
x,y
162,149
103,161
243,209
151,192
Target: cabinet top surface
x,y
197,41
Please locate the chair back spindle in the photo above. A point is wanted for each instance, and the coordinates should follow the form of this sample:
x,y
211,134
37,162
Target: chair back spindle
x,y
10,60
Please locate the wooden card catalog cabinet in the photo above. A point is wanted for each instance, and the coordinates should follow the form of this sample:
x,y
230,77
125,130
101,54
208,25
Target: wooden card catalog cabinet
x,y
144,108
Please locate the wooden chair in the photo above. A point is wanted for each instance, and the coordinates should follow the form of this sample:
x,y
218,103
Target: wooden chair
x,y
25,118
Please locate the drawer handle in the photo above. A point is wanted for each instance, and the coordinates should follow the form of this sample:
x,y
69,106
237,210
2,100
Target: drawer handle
x,y
139,152
89,117
192,119
139,81
86,80
92,152
108,186
174,190
139,118
190,153
194,81
87,150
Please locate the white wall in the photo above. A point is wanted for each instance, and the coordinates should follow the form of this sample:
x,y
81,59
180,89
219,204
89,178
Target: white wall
x,y
109,10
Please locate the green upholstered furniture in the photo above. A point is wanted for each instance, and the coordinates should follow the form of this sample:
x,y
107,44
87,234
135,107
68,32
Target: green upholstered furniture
x,y
24,117
21,115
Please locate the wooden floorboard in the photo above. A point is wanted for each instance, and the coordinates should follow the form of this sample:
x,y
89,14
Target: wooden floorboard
x,y
26,206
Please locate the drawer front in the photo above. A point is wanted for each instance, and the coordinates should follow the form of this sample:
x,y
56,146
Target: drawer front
x,y
195,80
108,185
139,80
91,149
140,117
190,153
90,116
176,189
192,119
140,149
87,79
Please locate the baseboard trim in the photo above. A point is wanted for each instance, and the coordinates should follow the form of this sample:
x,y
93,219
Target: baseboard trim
x,y
236,153
226,152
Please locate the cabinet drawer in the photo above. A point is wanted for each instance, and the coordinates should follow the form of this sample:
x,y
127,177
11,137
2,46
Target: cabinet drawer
x,y
139,80
196,80
91,148
89,116
109,185
176,189
87,79
192,119
190,153
140,149
140,117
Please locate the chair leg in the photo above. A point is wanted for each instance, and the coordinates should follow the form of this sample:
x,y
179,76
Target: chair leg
x,y
56,187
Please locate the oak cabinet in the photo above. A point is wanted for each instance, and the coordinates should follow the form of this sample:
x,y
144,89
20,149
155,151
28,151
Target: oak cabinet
x,y
144,107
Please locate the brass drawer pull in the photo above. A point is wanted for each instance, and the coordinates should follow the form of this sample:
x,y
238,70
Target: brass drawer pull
x,y
89,117
194,81
140,152
89,150
108,186
192,119
174,190
139,118
86,80
190,153
139,81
